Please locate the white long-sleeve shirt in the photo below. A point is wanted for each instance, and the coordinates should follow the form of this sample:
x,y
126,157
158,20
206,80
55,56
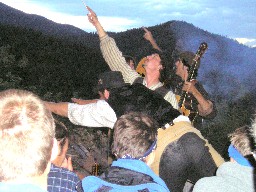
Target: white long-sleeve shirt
x,y
99,114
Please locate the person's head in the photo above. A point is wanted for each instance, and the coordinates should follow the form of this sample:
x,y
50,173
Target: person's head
x,y
62,137
153,62
27,132
183,63
109,80
135,136
242,145
130,61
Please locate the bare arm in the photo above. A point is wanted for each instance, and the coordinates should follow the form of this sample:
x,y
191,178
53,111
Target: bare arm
x,y
148,36
58,108
93,19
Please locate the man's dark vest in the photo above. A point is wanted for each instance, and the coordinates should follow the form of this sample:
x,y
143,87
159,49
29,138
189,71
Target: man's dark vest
x,y
138,98
161,90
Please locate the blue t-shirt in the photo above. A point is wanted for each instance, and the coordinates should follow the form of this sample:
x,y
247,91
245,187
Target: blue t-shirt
x,y
10,187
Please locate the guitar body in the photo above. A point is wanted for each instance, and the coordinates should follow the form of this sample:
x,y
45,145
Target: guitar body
x,y
187,110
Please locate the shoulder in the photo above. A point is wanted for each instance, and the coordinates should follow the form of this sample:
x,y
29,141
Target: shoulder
x,y
99,104
189,144
191,138
62,173
92,183
19,187
208,184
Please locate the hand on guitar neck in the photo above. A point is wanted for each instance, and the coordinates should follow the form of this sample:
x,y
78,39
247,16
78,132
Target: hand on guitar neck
x,y
189,86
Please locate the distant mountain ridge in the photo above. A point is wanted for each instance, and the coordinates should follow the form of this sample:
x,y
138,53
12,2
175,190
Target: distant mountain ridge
x,y
14,17
18,18
227,68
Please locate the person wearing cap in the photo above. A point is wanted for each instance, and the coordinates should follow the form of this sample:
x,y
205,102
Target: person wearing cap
x,y
199,102
182,151
117,98
237,175
135,138
153,65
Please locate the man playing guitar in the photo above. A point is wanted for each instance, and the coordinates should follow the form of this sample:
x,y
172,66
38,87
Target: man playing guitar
x,y
197,104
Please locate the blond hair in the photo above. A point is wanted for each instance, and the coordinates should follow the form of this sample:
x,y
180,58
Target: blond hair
x,y
26,135
242,140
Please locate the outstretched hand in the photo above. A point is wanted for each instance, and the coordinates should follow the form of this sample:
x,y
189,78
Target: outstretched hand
x,y
92,17
148,35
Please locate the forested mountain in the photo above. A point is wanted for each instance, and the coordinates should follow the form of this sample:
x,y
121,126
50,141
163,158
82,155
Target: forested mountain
x,y
60,61
47,65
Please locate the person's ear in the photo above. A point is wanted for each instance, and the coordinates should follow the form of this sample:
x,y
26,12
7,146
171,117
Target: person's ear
x,y
185,67
55,149
106,93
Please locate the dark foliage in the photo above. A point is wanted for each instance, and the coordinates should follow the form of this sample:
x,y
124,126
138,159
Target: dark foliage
x,y
46,65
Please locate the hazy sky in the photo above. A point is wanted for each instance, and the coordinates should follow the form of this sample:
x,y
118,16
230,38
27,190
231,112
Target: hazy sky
x,y
231,18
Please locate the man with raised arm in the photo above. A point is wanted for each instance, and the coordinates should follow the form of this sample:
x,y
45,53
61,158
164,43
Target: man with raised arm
x,y
113,56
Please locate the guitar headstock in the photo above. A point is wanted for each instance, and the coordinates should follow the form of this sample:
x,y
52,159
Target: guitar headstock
x,y
201,50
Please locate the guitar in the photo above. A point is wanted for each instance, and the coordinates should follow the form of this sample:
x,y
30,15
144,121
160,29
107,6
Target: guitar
x,y
184,102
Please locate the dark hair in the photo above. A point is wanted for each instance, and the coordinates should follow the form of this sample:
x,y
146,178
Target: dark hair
x,y
164,63
129,58
134,133
61,133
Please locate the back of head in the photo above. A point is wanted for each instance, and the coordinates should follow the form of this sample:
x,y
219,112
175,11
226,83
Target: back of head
x,y
242,146
61,134
27,131
134,134
242,140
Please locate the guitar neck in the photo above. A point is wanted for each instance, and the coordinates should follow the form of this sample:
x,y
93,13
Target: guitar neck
x,y
182,98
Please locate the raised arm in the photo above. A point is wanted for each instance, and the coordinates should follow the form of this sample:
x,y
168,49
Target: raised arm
x,y
111,53
93,19
148,36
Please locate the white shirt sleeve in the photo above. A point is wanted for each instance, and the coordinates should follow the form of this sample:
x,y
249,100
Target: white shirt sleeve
x,y
98,114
